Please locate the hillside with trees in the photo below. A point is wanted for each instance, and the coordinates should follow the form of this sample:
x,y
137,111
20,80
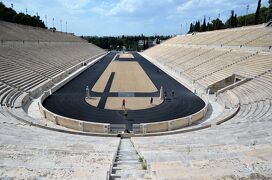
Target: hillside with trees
x,y
10,15
262,15
129,42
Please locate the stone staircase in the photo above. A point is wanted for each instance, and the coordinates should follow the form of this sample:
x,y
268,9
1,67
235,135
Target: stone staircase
x,y
127,164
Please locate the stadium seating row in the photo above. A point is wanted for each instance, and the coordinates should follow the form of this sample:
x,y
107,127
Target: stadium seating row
x,y
253,36
208,66
30,57
23,68
241,146
27,152
18,32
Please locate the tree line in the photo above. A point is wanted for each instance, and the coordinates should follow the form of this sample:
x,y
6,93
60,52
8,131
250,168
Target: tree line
x,y
10,15
262,15
129,42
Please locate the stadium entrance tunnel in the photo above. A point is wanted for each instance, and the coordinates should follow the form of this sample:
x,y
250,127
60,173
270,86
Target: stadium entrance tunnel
x,y
227,83
117,78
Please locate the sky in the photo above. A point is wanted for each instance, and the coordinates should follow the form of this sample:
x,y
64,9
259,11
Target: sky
x,y
130,17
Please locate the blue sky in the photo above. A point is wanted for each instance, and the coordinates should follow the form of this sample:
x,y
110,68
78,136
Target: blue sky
x,y
130,17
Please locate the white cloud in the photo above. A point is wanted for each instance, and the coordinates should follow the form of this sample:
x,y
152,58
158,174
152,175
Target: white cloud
x,y
74,4
103,17
124,7
118,9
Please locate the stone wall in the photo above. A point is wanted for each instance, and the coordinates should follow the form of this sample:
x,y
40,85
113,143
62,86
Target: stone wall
x,y
176,123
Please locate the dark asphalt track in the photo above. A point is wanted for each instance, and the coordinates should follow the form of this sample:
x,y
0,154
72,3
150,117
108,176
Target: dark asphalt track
x,y
69,101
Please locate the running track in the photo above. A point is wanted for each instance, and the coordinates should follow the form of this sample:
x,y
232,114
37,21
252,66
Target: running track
x,y
69,101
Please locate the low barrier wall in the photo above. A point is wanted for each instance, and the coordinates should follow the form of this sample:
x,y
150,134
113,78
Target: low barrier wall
x,y
176,123
70,123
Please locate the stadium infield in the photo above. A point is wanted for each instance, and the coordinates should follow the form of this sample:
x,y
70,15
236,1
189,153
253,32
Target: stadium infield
x,y
69,101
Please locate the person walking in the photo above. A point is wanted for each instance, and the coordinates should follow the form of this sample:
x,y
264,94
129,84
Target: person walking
x,y
165,95
124,104
151,100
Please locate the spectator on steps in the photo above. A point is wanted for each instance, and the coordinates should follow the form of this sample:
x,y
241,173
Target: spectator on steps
x,y
124,104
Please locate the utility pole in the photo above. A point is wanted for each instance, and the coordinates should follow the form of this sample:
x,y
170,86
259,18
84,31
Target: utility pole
x,y
247,8
26,10
53,23
180,29
46,20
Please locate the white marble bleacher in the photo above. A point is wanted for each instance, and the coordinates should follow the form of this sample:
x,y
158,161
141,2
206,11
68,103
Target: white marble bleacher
x,y
26,67
4,91
218,63
18,76
186,56
210,65
258,35
258,89
238,148
30,56
27,152
16,32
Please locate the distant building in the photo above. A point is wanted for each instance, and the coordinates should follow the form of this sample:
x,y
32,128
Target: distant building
x,y
141,43
149,43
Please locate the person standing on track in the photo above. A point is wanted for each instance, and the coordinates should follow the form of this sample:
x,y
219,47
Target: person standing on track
x,y
165,95
151,100
124,104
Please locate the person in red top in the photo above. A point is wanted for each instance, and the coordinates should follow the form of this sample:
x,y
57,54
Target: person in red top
x,y
124,104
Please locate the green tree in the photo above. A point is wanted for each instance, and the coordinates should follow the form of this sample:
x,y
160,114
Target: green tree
x,y
264,12
209,26
246,20
191,28
217,24
264,15
8,14
197,26
204,26
269,14
257,14
235,21
232,21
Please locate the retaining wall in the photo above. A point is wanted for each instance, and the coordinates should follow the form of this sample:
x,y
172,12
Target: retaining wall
x,y
176,123
70,123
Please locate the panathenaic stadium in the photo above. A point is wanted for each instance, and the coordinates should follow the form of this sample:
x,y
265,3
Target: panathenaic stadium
x,y
197,106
